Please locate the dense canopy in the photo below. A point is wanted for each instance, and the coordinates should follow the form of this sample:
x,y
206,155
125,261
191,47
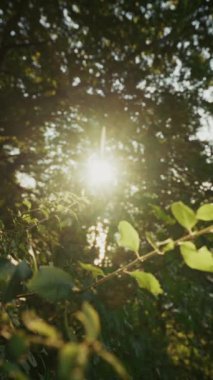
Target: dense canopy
x,y
130,83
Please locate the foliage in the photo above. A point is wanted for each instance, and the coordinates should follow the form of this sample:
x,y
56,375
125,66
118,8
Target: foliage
x,y
76,349
128,237
51,283
147,281
184,215
127,81
197,259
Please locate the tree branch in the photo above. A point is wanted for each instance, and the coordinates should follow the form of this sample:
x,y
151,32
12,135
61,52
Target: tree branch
x,y
142,259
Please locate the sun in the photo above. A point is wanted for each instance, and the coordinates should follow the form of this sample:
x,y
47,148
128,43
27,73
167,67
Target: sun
x,y
100,171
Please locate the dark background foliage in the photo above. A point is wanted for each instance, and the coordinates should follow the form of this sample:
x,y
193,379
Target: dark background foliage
x,y
142,70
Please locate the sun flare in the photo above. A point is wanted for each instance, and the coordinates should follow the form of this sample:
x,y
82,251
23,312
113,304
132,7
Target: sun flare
x,y
100,171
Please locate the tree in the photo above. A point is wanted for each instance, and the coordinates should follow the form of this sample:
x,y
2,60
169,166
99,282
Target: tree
x,y
141,70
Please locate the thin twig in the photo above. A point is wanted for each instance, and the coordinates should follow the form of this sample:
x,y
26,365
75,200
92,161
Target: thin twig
x,y
138,260
146,257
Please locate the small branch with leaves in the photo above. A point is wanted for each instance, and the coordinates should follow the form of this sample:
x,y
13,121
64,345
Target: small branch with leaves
x,y
200,259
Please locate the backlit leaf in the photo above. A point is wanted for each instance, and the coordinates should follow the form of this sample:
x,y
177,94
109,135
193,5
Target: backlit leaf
x,y
96,271
72,360
129,237
27,203
205,212
90,319
151,240
147,281
39,326
169,246
184,215
115,363
201,259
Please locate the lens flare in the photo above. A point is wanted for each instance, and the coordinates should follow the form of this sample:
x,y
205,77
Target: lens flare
x,y
100,171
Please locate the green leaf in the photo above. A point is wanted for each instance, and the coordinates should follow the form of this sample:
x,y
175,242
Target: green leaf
x,y
96,271
6,270
44,211
12,371
205,212
51,283
90,319
72,360
39,326
161,215
17,346
21,273
147,281
169,246
129,237
201,259
151,240
115,363
184,215
23,270
27,204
